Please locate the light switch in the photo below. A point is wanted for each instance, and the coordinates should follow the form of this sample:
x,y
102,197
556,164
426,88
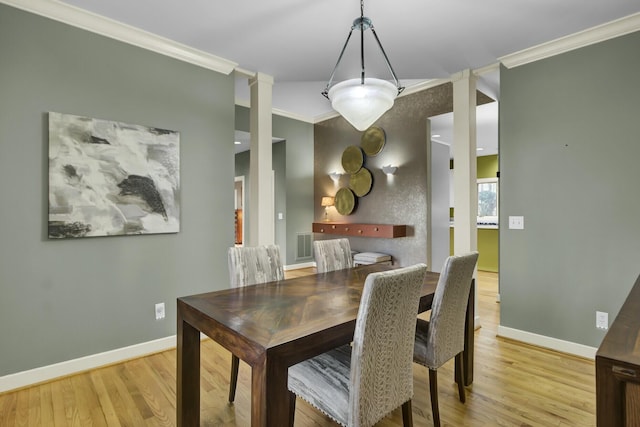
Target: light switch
x,y
280,215
516,222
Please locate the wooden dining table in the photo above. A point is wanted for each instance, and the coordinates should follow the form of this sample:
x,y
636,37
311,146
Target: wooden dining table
x,y
275,325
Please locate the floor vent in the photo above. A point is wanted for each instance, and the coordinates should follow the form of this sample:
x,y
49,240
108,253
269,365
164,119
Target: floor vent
x,y
303,246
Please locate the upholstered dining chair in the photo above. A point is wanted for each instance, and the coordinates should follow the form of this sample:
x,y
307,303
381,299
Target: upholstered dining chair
x,y
442,337
357,385
332,254
250,266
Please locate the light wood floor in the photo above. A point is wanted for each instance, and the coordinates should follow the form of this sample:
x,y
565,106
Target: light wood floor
x,y
514,385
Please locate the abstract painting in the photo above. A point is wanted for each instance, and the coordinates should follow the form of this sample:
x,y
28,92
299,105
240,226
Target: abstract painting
x,y
109,178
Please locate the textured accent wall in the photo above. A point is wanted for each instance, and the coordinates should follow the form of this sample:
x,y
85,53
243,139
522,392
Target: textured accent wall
x,y
401,199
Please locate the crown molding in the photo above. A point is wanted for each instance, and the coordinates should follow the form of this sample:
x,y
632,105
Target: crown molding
x,y
427,84
486,69
94,23
600,33
282,113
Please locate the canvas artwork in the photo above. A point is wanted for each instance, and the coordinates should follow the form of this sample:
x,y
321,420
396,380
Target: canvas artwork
x,y
109,178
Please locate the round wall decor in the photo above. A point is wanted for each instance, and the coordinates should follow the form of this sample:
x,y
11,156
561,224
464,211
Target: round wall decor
x,y
361,182
352,159
373,140
345,201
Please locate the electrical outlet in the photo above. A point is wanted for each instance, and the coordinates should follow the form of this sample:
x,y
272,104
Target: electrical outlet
x,y
160,311
602,320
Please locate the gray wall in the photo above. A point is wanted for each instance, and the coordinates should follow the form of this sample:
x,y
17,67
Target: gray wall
x,y
298,210
569,150
242,168
64,299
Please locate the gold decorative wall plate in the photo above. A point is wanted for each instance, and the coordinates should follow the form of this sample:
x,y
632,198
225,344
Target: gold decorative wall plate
x,y
352,159
345,201
361,182
373,140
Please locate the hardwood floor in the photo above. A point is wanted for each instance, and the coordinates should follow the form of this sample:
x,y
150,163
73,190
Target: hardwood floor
x,y
514,385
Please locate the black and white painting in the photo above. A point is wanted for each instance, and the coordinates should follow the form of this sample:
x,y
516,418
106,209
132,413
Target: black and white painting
x,y
108,178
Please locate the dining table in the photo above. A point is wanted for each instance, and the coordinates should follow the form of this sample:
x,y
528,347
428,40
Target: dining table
x,y
274,325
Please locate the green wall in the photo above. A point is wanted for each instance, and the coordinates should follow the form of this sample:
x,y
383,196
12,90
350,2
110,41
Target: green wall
x,y
488,241
64,299
569,150
298,181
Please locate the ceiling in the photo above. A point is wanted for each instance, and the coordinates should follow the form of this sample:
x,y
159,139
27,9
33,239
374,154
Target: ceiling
x,y
297,42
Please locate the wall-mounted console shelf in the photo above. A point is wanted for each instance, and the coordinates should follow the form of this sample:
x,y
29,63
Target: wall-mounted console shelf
x,y
360,230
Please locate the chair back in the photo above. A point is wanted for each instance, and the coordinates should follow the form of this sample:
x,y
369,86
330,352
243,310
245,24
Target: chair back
x,y
381,377
445,337
252,265
332,254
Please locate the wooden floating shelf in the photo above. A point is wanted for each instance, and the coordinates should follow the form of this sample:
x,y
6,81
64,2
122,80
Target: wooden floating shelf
x,y
387,231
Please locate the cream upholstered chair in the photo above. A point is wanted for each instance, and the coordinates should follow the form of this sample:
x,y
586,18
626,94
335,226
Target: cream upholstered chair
x,y
333,254
442,337
358,385
249,266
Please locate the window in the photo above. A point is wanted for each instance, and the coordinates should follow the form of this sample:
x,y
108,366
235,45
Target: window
x,y
488,201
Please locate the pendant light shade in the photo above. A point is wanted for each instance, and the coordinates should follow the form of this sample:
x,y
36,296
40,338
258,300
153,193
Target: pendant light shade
x,y
361,101
362,104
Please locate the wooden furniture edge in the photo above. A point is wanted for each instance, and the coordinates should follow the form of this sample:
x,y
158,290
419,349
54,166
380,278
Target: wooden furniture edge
x,y
388,231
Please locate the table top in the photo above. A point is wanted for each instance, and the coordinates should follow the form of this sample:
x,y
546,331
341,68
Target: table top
x,y
287,315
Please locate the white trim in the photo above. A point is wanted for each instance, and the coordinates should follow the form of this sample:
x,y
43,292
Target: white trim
x,y
299,266
486,69
597,34
427,84
548,342
98,24
68,367
278,112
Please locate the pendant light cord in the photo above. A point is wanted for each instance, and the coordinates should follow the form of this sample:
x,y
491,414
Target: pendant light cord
x,y
364,24
362,41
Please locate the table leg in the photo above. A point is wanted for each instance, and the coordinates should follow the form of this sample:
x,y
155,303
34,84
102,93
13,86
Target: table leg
x,y
269,394
188,374
469,329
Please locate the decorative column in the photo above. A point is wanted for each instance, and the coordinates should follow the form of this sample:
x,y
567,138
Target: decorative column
x,y
261,186
465,188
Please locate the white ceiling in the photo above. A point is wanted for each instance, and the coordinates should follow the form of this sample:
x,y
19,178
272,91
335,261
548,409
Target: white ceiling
x,y
298,41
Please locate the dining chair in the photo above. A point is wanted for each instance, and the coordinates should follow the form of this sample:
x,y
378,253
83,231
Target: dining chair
x,y
357,385
442,337
332,254
250,266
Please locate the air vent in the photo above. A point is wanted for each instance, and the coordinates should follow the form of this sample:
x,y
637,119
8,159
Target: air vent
x,y
303,246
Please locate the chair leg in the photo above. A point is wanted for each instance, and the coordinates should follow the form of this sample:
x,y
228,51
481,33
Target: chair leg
x,y
233,382
292,408
407,414
460,377
433,389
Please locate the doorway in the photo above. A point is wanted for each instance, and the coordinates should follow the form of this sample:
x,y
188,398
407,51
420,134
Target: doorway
x,y
239,203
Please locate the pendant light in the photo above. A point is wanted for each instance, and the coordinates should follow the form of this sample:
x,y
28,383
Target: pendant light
x,y
361,101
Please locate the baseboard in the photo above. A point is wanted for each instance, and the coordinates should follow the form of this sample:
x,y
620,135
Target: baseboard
x,y
47,373
299,266
548,342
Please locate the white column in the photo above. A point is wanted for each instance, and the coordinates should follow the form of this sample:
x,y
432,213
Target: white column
x,y
261,217
465,187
